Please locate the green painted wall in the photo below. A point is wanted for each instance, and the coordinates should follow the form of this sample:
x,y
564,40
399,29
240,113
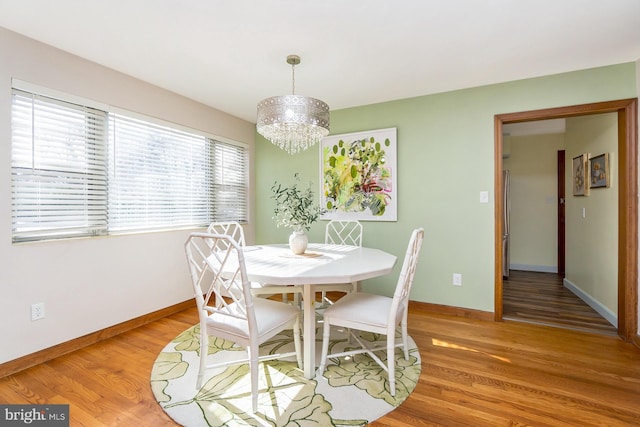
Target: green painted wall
x,y
445,158
592,261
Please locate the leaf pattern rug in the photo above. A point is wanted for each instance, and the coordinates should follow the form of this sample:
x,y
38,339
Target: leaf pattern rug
x,y
352,392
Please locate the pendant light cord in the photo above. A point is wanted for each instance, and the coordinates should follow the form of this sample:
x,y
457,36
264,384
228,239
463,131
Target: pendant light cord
x,y
293,79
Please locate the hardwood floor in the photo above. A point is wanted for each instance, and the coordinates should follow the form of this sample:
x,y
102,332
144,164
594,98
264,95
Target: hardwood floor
x,y
541,298
474,373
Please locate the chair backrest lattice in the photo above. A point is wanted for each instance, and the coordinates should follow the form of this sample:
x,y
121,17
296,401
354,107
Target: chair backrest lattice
x,y
343,233
217,267
229,228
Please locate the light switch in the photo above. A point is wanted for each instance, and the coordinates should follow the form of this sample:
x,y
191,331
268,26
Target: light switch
x,y
484,197
584,212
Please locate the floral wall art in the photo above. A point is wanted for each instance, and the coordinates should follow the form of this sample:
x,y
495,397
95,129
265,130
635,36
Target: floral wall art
x,y
581,175
599,171
358,175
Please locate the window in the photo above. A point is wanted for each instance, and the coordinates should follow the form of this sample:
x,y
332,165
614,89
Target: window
x,y
58,164
83,171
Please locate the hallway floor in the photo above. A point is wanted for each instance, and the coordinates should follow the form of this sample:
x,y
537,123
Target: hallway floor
x,y
541,298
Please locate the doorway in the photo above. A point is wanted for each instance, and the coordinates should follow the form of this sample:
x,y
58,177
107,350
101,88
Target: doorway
x,y
535,290
627,205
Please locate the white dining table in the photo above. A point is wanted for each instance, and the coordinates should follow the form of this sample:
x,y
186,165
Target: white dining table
x,y
321,264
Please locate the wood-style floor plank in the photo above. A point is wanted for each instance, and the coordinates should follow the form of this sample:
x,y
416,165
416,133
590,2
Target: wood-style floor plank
x,y
474,373
541,298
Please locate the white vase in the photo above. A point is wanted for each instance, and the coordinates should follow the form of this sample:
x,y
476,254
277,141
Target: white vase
x,y
298,242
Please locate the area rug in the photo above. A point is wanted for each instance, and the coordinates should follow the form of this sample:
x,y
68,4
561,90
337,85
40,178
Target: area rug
x,y
352,392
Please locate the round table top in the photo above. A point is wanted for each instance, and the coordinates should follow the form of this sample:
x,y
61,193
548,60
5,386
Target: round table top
x,y
320,264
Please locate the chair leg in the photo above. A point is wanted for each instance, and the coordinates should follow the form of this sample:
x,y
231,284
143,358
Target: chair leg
x,y
325,348
296,342
324,299
296,300
253,371
391,366
405,339
204,349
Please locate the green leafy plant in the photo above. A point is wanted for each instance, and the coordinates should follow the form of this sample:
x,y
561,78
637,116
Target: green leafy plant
x,y
295,208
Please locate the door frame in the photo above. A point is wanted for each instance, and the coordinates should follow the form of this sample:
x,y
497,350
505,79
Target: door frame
x,y
627,110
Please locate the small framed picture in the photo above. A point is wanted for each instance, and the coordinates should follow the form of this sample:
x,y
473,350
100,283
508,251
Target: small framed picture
x,y
580,176
599,171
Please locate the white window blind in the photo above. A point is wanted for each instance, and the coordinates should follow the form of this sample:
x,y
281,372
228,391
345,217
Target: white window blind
x,y
230,182
80,171
160,176
58,164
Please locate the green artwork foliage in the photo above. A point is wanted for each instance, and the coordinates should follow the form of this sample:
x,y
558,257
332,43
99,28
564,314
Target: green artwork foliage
x,y
356,176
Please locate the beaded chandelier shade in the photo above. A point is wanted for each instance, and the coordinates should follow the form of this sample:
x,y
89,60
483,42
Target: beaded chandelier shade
x,y
293,122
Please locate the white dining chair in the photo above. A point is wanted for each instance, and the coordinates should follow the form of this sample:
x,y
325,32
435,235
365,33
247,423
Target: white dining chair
x,y
236,232
217,266
360,311
345,232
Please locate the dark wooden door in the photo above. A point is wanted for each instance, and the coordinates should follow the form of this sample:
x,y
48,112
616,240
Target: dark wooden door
x,y
561,205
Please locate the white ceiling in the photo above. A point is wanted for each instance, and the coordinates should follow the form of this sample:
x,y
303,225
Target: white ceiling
x,y
230,54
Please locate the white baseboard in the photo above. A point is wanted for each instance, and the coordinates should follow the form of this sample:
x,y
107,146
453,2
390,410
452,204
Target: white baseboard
x,y
538,268
592,302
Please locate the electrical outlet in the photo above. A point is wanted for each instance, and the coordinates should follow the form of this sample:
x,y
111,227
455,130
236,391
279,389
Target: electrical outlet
x,y
457,279
37,311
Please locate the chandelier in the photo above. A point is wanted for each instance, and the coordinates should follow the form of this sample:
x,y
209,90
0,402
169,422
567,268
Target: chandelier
x,y
293,122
